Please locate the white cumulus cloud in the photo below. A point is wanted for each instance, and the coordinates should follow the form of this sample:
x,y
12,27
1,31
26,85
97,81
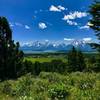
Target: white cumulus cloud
x,y
71,22
54,8
27,27
18,24
61,7
42,25
68,39
57,8
74,15
88,39
87,26
84,27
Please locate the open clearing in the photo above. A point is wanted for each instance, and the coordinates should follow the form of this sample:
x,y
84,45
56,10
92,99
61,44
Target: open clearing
x,y
44,59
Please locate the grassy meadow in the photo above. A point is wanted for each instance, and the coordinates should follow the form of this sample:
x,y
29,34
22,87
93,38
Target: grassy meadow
x,y
52,86
48,57
43,59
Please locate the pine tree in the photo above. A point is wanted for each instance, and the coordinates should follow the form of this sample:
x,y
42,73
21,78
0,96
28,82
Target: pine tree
x,y
95,22
37,68
10,56
95,25
80,61
76,60
72,60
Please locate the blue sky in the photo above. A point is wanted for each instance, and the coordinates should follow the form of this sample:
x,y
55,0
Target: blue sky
x,y
54,20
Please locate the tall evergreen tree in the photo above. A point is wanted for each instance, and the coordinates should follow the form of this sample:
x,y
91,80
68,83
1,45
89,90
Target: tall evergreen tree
x,y
76,60
72,59
10,56
80,61
95,21
95,25
37,68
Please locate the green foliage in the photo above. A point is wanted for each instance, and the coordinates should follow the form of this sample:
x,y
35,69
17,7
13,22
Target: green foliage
x,y
42,59
95,22
87,62
10,56
37,68
58,92
52,86
93,63
6,88
76,60
41,86
23,86
95,25
28,67
51,77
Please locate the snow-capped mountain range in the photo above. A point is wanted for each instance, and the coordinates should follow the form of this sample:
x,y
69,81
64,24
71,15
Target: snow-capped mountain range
x,y
57,46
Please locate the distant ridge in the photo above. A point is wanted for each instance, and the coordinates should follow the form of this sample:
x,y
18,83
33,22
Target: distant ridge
x,y
54,46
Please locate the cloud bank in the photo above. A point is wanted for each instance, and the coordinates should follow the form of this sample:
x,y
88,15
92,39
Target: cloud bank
x,y
74,15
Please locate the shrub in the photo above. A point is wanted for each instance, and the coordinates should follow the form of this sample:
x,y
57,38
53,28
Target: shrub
x,y
52,77
23,87
40,86
6,88
58,91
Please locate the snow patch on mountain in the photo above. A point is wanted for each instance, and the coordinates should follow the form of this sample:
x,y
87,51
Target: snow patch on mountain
x,y
56,46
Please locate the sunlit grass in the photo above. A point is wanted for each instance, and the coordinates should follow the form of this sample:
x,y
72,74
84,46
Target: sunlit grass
x,y
44,59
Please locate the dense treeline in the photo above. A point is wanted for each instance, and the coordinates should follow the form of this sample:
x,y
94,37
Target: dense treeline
x,y
79,63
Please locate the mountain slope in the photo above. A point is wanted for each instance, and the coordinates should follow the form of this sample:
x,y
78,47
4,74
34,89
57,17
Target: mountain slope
x,y
53,46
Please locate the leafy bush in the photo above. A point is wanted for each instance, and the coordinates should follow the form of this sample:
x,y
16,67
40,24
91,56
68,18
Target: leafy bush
x,y
6,88
58,91
40,86
23,86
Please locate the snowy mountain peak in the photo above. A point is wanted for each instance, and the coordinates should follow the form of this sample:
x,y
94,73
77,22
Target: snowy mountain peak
x,y
56,46
78,43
